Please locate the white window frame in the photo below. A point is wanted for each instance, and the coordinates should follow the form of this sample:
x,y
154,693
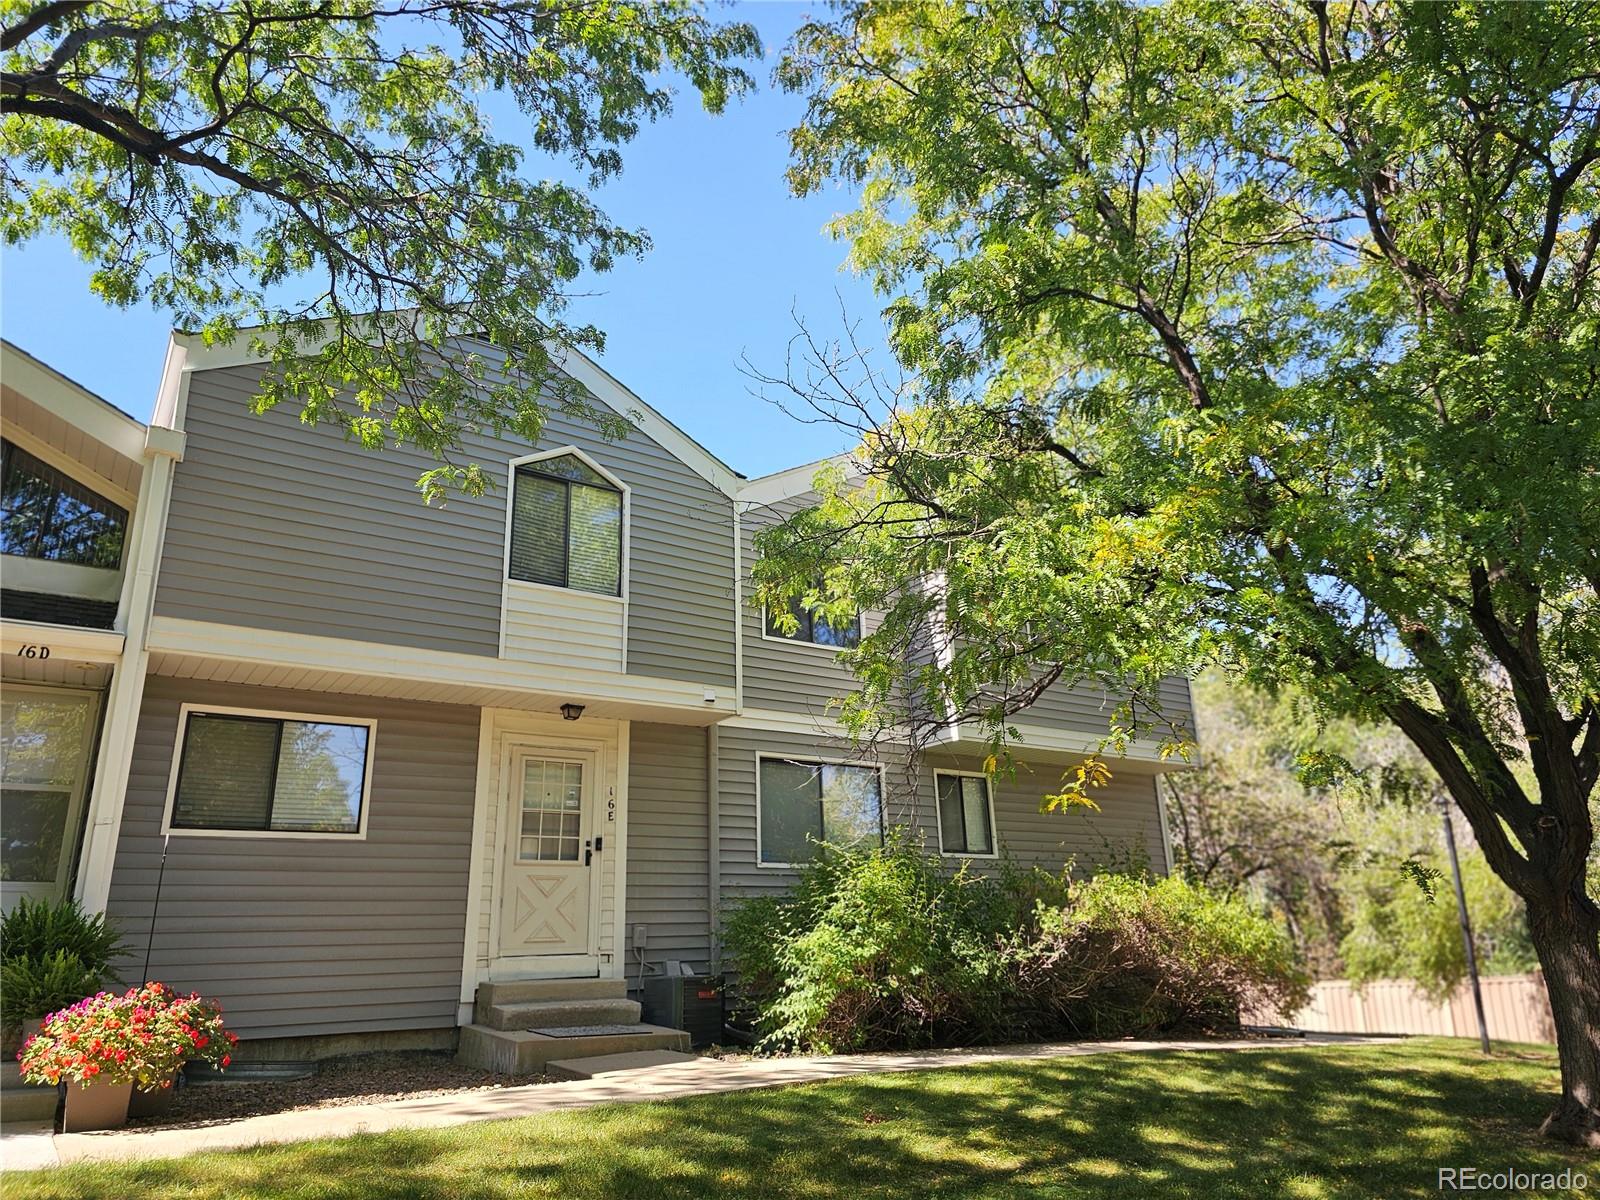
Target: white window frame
x,y
938,813
627,525
817,761
221,710
861,630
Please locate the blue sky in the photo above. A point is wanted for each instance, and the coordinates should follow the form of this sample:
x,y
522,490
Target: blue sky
x,y
734,255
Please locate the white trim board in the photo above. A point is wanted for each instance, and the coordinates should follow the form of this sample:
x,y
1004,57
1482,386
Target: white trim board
x,y
464,674
65,641
501,732
71,401
788,483
51,456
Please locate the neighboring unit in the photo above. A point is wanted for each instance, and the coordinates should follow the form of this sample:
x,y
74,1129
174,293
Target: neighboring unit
x,y
360,766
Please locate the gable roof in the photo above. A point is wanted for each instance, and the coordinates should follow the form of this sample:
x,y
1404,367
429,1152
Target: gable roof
x,y
792,481
75,404
200,356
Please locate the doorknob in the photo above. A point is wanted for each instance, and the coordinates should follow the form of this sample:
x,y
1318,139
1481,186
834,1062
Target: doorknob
x,y
588,853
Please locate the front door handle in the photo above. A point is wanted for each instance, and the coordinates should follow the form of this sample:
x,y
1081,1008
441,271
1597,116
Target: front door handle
x,y
588,853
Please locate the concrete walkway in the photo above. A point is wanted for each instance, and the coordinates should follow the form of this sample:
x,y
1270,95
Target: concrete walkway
x,y
23,1150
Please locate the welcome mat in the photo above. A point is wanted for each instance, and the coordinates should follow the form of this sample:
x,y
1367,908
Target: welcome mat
x,y
590,1030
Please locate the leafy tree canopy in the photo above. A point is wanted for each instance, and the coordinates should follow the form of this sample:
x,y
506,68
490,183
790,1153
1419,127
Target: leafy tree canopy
x,y
327,172
1256,334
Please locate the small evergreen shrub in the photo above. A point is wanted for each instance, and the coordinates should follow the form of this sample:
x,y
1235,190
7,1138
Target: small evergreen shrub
x,y
52,954
888,948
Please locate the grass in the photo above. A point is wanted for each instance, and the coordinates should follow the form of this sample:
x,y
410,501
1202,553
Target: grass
x,y
1341,1121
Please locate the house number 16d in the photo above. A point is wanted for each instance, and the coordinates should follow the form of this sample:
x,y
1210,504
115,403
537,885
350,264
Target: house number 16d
x,y
29,650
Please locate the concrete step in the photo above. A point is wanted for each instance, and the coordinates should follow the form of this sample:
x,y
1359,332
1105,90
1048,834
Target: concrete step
x,y
520,991
616,1064
21,1102
557,1014
517,1052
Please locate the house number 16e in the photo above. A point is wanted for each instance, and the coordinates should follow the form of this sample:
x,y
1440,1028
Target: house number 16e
x,y
29,650
611,804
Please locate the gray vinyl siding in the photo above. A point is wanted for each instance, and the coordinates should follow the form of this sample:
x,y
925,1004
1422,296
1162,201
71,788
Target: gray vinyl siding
x,y
742,874
668,835
309,936
1089,708
278,525
1126,830
779,675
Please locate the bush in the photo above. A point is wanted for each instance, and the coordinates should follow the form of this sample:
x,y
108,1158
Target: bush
x,y
885,948
32,987
52,953
1134,955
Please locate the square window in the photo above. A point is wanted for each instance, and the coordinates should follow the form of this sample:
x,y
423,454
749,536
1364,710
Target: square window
x,y
265,774
803,803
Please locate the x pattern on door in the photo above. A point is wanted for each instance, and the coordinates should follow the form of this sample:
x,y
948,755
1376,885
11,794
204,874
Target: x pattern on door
x,y
547,904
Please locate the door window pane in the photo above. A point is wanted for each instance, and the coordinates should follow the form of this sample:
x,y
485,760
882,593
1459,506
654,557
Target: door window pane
x,y
33,828
552,811
44,740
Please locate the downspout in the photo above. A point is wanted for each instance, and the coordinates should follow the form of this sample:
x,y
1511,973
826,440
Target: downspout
x,y
714,842
125,696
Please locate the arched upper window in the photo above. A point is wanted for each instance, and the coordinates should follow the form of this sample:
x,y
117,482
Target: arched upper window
x,y
566,526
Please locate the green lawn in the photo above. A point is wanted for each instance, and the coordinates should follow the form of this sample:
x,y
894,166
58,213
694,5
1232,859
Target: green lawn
x,y
1356,1121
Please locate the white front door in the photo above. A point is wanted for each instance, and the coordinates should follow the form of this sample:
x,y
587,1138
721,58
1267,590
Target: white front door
x,y
47,737
550,888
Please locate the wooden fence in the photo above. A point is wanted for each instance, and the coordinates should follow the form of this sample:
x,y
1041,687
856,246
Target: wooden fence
x,y
1517,1008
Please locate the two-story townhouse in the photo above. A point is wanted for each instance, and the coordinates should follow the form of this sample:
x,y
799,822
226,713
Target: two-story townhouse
x,y
418,774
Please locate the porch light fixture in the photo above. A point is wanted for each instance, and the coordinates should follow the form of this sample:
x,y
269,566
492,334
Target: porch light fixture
x,y
571,712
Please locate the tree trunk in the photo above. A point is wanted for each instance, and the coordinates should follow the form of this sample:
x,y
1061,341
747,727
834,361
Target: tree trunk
x,y
1566,936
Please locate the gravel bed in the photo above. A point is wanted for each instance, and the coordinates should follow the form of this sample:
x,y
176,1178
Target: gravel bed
x,y
356,1079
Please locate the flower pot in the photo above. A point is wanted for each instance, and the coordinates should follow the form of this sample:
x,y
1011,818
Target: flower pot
x,y
98,1106
154,1104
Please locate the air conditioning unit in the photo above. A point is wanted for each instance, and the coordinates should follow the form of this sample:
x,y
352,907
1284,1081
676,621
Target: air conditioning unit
x,y
692,1003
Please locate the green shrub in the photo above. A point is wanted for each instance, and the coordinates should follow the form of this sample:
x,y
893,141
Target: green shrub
x,y
1130,956
883,948
48,949
34,987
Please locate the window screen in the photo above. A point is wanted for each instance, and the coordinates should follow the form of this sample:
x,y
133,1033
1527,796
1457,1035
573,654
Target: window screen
x,y
46,514
965,820
271,774
803,803
566,527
